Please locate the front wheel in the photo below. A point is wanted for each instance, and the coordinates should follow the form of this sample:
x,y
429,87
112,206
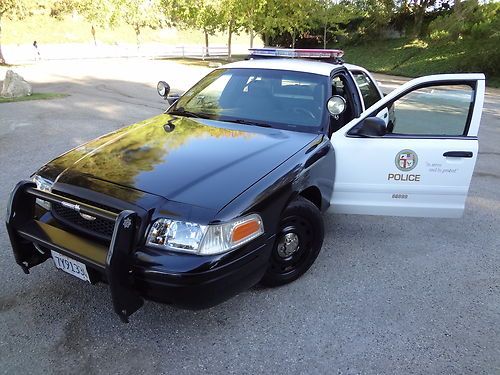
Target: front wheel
x,y
298,243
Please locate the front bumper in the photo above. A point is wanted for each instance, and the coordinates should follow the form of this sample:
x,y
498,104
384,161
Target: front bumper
x,y
134,273
199,290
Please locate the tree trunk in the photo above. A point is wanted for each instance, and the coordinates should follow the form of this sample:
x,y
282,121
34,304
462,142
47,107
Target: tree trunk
x,y
206,43
266,40
293,38
2,59
324,35
457,10
230,34
92,30
252,36
419,19
137,33
420,6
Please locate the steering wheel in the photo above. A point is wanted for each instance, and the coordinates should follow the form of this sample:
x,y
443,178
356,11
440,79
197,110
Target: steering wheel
x,y
304,111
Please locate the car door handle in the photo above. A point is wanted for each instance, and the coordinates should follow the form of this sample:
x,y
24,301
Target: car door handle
x,y
458,154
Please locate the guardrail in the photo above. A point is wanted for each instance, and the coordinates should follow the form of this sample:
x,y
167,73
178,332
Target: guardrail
x,y
197,51
27,53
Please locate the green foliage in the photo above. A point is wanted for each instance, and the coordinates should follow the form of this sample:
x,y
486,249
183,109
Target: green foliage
x,y
34,96
203,14
471,21
333,17
99,13
446,25
140,14
13,8
377,14
417,57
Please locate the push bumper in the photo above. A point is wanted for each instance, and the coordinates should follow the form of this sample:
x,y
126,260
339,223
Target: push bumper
x,y
199,290
122,265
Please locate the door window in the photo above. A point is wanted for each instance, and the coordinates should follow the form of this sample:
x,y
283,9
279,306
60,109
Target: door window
x,y
341,87
368,89
436,110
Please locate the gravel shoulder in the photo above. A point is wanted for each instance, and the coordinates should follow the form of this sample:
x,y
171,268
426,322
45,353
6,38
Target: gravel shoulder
x,y
386,295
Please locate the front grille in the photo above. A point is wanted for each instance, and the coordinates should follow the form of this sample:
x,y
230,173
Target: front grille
x,y
99,227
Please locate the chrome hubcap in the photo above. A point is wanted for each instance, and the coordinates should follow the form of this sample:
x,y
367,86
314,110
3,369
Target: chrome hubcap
x,y
289,244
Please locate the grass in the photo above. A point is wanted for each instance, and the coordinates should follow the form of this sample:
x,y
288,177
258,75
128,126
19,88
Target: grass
x,y
34,96
404,57
207,62
413,58
74,29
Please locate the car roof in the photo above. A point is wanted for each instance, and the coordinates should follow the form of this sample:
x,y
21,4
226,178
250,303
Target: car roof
x,y
295,65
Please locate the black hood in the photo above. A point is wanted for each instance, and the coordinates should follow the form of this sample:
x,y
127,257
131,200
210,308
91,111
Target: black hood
x,y
201,162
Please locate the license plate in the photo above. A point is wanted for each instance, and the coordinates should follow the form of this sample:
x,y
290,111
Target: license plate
x,y
71,266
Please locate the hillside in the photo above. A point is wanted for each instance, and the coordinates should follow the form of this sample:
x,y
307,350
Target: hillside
x,y
416,58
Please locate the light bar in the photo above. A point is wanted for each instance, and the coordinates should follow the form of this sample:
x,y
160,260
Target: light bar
x,y
298,53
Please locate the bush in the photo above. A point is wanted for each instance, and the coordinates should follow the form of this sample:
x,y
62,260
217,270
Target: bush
x,y
473,21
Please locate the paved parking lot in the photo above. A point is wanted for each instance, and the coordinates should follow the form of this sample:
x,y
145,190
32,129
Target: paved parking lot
x,y
386,295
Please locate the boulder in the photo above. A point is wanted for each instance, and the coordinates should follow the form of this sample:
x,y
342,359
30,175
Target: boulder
x,y
15,86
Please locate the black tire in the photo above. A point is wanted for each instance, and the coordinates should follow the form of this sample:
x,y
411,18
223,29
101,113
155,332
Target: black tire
x,y
298,243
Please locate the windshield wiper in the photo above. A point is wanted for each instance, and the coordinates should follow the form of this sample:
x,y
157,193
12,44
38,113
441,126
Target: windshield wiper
x,y
249,122
182,112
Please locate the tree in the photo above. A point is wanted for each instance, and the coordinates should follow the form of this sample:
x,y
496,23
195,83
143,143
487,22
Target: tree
x,y
208,18
330,15
202,15
99,14
261,17
419,7
140,14
376,14
12,9
232,13
252,12
295,16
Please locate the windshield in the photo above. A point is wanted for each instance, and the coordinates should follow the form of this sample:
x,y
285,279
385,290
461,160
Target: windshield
x,y
277,98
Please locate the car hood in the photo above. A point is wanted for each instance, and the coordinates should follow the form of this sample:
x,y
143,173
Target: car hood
x,y
201,162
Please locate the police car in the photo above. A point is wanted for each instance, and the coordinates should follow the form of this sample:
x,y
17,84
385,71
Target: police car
x,y
229,186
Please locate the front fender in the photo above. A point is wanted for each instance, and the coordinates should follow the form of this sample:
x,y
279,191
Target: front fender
x,y
313,166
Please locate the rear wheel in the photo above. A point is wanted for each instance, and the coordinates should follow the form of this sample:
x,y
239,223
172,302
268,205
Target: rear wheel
x,y
298,243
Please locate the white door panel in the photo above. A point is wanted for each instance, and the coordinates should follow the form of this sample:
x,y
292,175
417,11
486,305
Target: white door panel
x,y
369,182
408,175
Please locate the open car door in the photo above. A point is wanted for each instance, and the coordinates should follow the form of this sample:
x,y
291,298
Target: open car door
x,y
421,162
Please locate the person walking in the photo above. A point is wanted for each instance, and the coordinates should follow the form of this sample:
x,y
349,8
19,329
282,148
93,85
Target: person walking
x,y
37,51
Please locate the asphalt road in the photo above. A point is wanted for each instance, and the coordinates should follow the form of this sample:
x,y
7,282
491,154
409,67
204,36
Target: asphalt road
x,y
386,295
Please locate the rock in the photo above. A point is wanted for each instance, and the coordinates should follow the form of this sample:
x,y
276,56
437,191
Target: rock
x,y
214,64
15,86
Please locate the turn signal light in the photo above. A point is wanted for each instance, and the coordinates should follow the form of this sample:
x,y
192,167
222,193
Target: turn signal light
x,y
246,229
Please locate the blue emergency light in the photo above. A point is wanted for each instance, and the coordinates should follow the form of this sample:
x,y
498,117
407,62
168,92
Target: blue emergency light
x,y
335,54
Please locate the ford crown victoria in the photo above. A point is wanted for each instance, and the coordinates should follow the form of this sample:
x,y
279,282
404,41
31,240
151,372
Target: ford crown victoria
x,y
229,186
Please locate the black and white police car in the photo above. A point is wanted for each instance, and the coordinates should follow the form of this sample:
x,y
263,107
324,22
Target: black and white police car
x,y
227,188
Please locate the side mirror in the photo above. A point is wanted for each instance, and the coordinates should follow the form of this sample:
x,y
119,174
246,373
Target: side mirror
x,y
336,105
370,127
171,99
163,89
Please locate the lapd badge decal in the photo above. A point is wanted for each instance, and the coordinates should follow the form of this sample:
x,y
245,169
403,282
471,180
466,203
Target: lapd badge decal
x,y
127,223
406,160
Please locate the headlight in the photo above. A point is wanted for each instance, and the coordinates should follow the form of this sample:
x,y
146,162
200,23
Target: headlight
x,y
44,185
204,239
